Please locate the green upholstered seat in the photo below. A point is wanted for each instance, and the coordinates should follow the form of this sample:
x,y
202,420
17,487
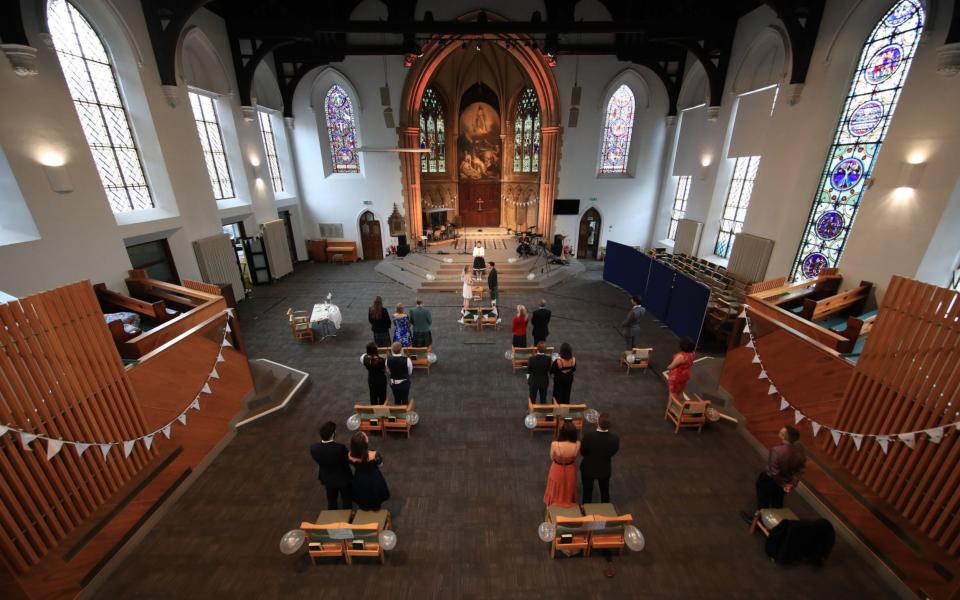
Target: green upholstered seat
x,y
771,517
333,516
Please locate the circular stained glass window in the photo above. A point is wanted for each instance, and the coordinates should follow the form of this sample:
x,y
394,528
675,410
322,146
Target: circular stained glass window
x,y
346,155
812,264
614,155
829,225
900,13
618,127
883,64
847,174
865,118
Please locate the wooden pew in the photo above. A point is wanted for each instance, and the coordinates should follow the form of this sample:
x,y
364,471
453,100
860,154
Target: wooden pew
x,y
347,248
854,328
416,354
384,418
111,302
790,295
852,300
520,356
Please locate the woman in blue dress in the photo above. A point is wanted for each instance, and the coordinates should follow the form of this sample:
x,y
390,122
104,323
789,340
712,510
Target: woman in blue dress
x,y
401,327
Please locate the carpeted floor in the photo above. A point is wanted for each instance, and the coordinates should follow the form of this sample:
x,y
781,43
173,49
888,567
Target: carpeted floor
x,y
467,487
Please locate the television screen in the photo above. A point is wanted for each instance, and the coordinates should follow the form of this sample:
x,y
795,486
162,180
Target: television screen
x,y
566,207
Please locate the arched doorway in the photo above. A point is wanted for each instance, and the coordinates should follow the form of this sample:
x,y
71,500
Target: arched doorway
x,y
588,242
370,240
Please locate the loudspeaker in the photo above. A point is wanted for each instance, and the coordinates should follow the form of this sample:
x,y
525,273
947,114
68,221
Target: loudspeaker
x,y
403,250
574,116
388,118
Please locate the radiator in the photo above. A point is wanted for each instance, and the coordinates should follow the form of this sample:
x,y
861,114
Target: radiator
x,y
687,239
218,262
277,247
749,257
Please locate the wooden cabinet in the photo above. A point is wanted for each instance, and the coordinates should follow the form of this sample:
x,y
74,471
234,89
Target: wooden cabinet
x,y
317,250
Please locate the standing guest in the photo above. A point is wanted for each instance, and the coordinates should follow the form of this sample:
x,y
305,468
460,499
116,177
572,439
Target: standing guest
x,y
401,327
679,369
540,319
520,327
400,368
467,290
376,368
369,488
631,325
335,473
422,322
538,374
493,283
479,265
562,478
597,450
785,465
379,322
562,370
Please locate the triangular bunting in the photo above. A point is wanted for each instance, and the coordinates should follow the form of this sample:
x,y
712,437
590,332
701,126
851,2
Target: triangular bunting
x,y
756,359
743,314
935,434
26,438
763,374
816,428
772,390
214,374
784,405
884,442
128,447
81,448
909,439
857,440
226,343
105,450
836,437
220,358
750,344
797,416
166,431
182,418
206,389
53,448
195,405
232,312
227,329
3,430
746,328
148,440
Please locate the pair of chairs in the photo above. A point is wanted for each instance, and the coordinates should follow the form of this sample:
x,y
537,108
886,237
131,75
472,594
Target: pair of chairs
x,y
343,533
480,317
684,412
300,325
588,527
641,359
521,356
385,418
416,354
550,417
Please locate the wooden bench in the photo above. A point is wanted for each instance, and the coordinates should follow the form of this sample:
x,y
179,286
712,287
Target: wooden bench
x,y
481,316
550,417
416,354
347,248
520,356
588,527
853,329
384,418
851,300
343,533
111,301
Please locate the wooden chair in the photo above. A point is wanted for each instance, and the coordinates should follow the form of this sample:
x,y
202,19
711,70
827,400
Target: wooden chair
x,y
766,519
372,417
569,412
302,332
366,527
684,412
522,355
546,417
416,354
573,529
642,359
396,419
608,526
325,538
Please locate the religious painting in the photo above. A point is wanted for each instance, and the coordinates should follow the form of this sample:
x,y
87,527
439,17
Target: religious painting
x,y
479,142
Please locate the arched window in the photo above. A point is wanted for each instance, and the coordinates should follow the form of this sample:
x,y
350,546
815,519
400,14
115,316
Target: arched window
x,y
871,101
617,128
93,86
526,134
432,134
341,127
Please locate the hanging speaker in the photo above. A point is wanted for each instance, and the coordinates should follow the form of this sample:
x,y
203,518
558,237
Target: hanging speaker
x,y
575,96
388,118
574,116
385,96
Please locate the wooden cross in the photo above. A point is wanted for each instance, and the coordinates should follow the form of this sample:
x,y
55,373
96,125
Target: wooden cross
x,y
479,204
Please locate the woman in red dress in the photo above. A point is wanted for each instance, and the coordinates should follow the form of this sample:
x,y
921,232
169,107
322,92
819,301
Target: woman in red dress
x,y
520,327
679,369
562,478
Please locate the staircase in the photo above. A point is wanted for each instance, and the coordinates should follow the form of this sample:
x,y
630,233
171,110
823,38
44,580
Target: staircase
x,y
275,385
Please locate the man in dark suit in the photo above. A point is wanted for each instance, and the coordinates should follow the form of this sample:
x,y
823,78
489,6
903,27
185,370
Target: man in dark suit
x,y
334,465
493,283
538,374
540,319
597,448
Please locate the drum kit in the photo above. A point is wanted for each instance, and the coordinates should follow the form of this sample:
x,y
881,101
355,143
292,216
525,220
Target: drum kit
x,y
529,242
444,232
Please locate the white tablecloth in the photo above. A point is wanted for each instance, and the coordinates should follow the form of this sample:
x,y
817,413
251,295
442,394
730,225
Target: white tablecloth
x,y
326,319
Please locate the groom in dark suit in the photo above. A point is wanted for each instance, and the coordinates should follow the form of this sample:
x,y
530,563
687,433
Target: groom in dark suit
x,y
597,449
335,474
538,374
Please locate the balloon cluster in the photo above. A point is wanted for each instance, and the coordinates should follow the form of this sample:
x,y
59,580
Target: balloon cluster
x,y
292,541
353,423
508,355
430,276
530,421
448,260
431,357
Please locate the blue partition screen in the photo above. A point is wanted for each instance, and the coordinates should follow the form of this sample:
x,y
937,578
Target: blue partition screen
x,y
659,286
627,268
688,305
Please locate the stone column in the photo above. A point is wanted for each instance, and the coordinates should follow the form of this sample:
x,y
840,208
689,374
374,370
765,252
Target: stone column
x,y
410,172
549,166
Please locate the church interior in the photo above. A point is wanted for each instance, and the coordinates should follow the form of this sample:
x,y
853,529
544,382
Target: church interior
x,y
676,215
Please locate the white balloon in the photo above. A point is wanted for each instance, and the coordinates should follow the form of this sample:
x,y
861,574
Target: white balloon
x,y
413,418
431,276
531,276
508,355
631,358
633,538
448,260
591,415
353,423
512,260
547,532
530,421
292,541
387,539
431,357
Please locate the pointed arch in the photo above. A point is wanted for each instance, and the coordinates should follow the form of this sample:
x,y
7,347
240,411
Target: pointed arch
x,y
433,133
526,133
618,120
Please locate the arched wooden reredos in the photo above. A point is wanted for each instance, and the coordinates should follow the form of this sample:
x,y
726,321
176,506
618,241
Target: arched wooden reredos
x,y
534,65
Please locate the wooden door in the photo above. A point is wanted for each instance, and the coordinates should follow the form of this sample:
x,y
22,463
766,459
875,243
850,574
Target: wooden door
x,y
588,240
291,241
480,204
370,239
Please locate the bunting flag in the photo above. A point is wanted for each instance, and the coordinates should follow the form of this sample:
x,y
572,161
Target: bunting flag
x,y
26,438
195,405
772,390
836,437
81,448
53,447
220,357
182,418
105,450
166,431
226,343
128,447
816,428
214,374
857,440
763,375
3,430
750,344
206,389
797,416
743,313
784,405
884,442
148,440
746,328
935,434
756,359
227,328
908,439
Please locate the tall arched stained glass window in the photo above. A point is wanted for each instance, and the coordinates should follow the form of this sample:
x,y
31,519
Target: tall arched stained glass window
x,y
341,127
93,86
617,128
526,133
432,134
871,101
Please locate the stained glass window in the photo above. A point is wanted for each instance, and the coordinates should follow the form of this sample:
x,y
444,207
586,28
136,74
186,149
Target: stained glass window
x,y
617,128
211,140
96,96
738,199
526,133
341,128
270,147
679,204
871,101
432,133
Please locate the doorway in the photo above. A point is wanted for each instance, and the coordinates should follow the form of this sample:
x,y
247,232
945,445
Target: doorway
x,y
291,241
370,240
588,242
